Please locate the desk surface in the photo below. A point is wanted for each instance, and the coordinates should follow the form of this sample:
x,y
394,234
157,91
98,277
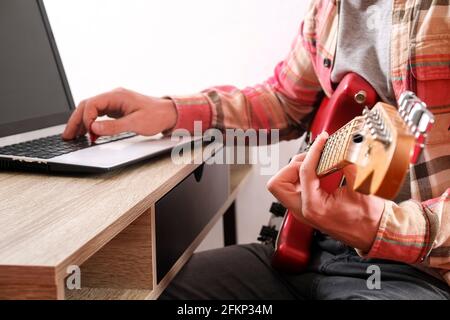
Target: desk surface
x,y
50,222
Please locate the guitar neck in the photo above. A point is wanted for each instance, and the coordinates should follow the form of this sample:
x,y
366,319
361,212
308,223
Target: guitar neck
x,y
336,151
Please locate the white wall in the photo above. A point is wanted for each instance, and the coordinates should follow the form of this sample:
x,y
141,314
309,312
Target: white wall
x,y
161,47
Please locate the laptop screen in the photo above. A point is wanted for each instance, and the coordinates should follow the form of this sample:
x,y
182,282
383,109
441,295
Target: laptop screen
x,y
33,89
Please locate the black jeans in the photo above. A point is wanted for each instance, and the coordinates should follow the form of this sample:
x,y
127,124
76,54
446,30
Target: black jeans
x,y
336,272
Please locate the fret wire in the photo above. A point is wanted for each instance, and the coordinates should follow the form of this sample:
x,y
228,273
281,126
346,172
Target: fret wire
x,y
335,152
335,148
324,156
327,155
345,141
331,151
341,143
348,136
341,149
325,159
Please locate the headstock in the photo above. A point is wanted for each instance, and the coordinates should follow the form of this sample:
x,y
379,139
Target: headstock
x,y
386,142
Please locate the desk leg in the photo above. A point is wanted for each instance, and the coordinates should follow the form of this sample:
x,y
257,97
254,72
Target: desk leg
x,y
229,226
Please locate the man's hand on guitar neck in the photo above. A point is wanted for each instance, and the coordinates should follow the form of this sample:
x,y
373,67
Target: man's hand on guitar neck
x,y
345,215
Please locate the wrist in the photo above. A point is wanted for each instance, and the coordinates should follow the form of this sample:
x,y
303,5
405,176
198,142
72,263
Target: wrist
x,y
169,114
376,211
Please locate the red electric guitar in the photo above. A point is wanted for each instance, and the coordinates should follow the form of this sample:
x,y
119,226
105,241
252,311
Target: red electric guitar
x,y
381,140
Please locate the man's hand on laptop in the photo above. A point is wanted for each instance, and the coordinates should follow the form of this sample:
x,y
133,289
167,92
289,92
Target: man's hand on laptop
x,y
132,112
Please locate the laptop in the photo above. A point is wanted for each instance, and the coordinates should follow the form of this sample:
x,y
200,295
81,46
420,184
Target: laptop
x,y
36,103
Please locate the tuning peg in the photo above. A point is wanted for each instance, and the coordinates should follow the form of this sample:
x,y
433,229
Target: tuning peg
x,y
405,99
415,114
408,107
425,122
407,102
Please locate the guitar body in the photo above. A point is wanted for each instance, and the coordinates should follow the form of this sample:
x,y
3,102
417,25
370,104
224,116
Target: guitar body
x,y
292,252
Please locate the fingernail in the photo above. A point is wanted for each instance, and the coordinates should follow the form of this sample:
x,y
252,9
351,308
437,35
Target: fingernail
x,y
324,135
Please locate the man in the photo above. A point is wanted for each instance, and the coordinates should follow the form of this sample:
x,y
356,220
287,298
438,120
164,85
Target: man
x,y
396,45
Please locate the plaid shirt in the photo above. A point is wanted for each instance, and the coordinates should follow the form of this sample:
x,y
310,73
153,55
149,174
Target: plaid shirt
x,y
416,231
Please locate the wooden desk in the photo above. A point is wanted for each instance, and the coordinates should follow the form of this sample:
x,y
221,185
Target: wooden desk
x,y
106,224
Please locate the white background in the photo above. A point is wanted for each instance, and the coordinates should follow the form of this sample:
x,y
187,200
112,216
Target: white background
x,y
161,47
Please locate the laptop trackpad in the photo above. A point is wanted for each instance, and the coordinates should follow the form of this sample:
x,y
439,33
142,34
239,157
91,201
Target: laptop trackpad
x,y
116,153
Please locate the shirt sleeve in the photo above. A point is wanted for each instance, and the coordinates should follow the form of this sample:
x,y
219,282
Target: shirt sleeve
x,y
281,102
414,232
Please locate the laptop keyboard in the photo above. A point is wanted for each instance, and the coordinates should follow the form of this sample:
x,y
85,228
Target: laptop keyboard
x,y
55,146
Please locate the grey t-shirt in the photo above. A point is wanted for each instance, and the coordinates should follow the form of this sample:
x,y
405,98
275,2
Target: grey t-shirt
x,y
363,46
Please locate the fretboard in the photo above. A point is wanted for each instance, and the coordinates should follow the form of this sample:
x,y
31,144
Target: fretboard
x,y
335,152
